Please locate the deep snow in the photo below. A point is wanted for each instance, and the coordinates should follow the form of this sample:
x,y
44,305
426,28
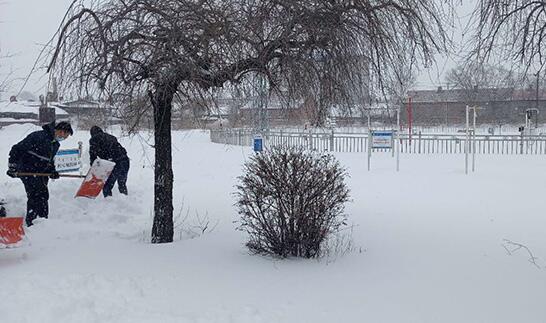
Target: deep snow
x,y
428,246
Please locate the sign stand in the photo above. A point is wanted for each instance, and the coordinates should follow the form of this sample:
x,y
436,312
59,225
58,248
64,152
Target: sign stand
x,y
384,139
470,136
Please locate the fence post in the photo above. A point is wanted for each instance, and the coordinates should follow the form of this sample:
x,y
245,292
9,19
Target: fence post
x,y
419,143
332,141
521,144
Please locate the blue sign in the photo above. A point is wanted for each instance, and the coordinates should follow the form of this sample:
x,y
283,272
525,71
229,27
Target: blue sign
x,y
258,143
68,160
382,139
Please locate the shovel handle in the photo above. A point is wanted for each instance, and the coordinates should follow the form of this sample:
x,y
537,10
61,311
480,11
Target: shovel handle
x,y
72,176
48,174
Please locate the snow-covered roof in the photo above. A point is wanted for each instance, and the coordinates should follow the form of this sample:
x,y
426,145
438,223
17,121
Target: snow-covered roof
x,y
362,111
82,104
221,110
272,104
461,95
26,107
17,120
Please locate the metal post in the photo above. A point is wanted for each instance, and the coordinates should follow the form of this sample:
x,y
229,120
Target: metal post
x,y
536,103
474,140
80,151
398,140
419,143
410,120
332,140
527,127
369,147
447,111
521,142
467,143
392,144
309,139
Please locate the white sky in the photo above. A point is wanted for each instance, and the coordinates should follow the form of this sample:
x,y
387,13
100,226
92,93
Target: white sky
x,y
26,25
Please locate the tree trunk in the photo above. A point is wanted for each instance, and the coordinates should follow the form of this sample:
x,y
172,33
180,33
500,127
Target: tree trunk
x,y
162,230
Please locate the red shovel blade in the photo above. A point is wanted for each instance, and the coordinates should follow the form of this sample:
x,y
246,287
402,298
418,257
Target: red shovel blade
x,y
11,230
96,177
90,188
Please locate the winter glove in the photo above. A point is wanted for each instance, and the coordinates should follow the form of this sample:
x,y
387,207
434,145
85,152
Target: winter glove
x,y
54,175
12,170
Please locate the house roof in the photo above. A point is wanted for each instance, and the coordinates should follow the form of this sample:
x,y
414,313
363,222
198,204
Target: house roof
x,y
272,103
362,111
26,107
461,95
220,110
82,104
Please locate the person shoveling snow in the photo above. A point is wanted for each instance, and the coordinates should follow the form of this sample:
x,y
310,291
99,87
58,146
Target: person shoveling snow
x,y
105,146
31,160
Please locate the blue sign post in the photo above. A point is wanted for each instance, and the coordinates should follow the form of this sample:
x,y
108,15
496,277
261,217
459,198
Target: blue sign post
x,y
258,143
382,140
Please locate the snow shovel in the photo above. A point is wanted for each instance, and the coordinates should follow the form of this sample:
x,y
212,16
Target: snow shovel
x,y
96,177
11,230
47,175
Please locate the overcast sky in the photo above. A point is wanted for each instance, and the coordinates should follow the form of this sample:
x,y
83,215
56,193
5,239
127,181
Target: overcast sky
x,y
26,25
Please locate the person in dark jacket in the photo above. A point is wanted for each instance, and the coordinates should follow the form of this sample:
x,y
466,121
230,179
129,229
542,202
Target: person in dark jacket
x,y
2,209
35,154
106,146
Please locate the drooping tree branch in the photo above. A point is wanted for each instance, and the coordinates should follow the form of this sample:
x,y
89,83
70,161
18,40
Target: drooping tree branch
x,y
512,30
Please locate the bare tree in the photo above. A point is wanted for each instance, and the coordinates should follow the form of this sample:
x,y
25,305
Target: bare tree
x,y
5,76
479,75
302,48
511,29
474,75
396,89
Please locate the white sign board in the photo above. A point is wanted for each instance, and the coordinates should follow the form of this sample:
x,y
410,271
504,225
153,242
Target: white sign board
x,y
382,139
68,160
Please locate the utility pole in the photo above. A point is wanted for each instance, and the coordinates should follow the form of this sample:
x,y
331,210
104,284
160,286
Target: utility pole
x,y
536,103
447,105
262,105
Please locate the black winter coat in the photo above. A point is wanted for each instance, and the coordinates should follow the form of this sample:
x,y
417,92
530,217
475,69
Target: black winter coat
x,y
36,152
105,146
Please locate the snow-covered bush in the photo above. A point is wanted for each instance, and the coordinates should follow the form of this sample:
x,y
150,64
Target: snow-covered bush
x,y
290,201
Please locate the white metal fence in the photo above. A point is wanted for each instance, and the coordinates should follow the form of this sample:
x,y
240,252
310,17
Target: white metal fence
x,y
414,144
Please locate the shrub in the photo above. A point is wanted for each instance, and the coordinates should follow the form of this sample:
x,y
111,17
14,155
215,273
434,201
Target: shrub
x,y
290,201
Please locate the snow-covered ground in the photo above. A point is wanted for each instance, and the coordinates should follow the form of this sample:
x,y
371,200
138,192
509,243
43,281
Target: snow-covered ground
x,y
428,246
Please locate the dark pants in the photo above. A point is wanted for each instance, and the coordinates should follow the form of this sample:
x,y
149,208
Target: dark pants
x,y
119,174
37,198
